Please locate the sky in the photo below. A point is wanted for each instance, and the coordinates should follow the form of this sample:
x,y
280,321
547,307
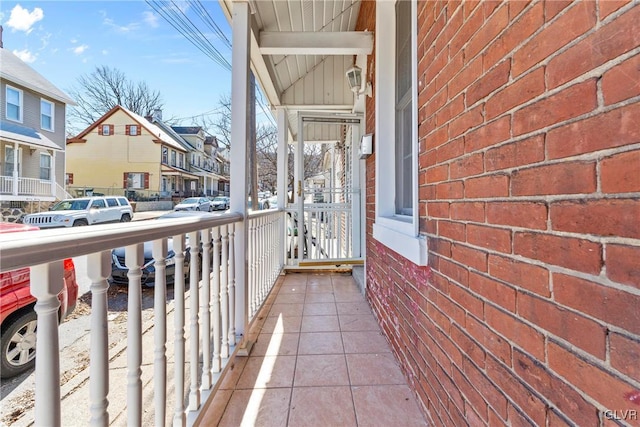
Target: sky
x,y
64,40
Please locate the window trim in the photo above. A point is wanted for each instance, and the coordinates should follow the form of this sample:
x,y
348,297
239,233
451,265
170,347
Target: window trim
x,y
20,105
53,115
397,232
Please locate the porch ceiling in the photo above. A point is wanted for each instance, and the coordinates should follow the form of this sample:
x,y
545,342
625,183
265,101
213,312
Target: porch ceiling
x,y
300,52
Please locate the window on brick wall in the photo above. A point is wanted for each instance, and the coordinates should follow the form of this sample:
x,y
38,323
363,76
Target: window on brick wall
x,y
397,215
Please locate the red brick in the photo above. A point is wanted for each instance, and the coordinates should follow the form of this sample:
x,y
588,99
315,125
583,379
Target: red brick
x,y
603,217
494,291
576,254
517,93
607,7
562,178
454,65
436,64
592,380
571,102
439,319
524,275
489,237
452,230
579,19
553,7
492,395
472,258
515,7
492,342
438,209
622,264
466,121
450,150
572,327
524,152
441,247
610,305
468,29
454,272
518,214
517,391
491,28
455,18
625,354
487,186
438,173
471,395
467,166
620,173
547,383
468,211
488,135
515,33
435,138
449,190
450,111
516,331
622,81
469,347
491,81
614,39
608,130
432,103
556,419
465,77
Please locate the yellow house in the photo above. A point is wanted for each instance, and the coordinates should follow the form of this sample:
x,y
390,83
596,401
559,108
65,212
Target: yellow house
x,y
123,153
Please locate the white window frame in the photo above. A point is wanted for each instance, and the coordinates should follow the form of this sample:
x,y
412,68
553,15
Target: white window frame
x,y
398,232
133,130
135,180
50,166
108,130
42,114
20,104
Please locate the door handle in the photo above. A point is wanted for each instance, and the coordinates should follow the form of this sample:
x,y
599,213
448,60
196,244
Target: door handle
x,y
299,188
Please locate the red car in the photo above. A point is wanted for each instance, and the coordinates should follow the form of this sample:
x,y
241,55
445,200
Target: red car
x,y
17,316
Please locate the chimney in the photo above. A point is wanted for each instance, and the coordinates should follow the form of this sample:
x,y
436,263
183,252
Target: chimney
x,y
1,44
157,114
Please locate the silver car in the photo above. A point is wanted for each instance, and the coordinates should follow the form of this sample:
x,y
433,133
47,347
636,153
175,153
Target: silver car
x,y
194,204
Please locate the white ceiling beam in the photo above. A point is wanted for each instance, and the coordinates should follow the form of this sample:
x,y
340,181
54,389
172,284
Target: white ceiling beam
x,y
321,43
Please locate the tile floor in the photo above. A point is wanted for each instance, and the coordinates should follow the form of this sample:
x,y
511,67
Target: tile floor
x,y
319,360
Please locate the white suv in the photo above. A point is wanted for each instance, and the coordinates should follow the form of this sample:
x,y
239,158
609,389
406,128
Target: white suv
x,y
83,211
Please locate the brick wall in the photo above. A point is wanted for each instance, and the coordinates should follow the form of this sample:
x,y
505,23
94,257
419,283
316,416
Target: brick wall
x,y
529,133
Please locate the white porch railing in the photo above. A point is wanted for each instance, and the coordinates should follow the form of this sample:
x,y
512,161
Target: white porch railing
x,y
29,187
212,315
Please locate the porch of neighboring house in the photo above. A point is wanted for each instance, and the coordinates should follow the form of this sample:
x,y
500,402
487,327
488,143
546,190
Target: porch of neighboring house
x,y
319,359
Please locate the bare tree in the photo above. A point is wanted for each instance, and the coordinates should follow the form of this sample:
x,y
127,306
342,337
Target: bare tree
x,y
104,88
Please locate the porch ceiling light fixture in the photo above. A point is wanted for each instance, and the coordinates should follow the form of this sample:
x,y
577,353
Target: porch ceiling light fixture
x,y
354,78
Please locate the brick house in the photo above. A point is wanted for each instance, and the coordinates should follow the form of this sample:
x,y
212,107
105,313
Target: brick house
x,y
528,181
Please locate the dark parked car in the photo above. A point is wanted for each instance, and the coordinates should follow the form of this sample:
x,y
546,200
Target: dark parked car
x,y
19,322
119,270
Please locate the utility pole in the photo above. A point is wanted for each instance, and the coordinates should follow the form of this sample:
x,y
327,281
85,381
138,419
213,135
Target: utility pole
x,y
253,163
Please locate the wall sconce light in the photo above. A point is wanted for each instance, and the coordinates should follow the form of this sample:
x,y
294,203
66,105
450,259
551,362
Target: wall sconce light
x,y
354,78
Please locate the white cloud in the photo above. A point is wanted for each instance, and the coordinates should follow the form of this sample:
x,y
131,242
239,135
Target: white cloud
x,y
78,50
105,52
22,20
150,19
25,55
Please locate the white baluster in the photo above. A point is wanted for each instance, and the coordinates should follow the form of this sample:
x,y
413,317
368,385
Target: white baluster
x,y
194,356
134,258
252,267
224,301
160,251
232,285
179,418
215,302
205,300
98,270
46,284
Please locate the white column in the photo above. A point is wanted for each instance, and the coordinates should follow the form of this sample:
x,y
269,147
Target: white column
x,y
239,134
16,172
194,338
54,182
283,168
46,284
